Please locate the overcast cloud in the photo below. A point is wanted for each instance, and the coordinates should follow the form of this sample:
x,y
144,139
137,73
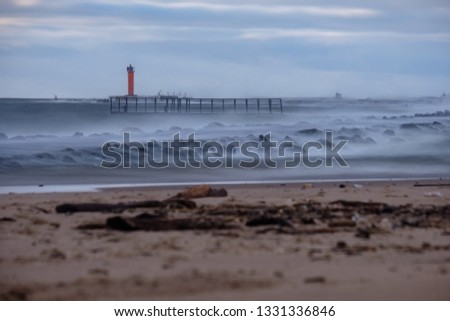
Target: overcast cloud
x,y
225,48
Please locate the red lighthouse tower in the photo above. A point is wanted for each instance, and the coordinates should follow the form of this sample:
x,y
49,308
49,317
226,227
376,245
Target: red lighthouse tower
x,y
130,70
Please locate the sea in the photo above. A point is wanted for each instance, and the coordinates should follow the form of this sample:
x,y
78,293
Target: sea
x,y
78,144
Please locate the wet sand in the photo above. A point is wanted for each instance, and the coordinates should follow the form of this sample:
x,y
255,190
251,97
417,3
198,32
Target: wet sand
x,y
310,241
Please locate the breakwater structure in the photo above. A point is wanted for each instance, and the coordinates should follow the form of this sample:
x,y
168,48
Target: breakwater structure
x,y
132,103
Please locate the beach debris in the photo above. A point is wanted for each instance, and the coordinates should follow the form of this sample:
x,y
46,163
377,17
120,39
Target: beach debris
x,y
16,294
433,194
341,223
306,218
365,207
103,207
443,270
91,226
357,186
295,231
121,224
55,254
98,272
40,209
412,221
356,249
202,191
314,279
120,207
318,255
361,222
7,219
267,221
178,203
341,245
363,233
147,223
426,245
386,224
240,211
431,184
278,274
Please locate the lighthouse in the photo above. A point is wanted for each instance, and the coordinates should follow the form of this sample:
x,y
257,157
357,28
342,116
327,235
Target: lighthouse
x,y
130,70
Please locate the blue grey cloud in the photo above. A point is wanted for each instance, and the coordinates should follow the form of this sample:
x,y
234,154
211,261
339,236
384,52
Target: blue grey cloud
x,y
193,45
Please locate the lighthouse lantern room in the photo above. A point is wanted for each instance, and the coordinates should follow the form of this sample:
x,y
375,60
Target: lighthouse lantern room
x,y
130,70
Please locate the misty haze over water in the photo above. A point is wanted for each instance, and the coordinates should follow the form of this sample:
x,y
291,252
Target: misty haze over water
x,y
60,141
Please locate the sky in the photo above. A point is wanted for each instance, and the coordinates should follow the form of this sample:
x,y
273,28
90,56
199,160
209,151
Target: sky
x,y
225,48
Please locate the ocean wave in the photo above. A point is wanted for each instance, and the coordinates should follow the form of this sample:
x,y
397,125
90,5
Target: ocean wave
x,y
214,125
373,129
309,132
444,113
419,127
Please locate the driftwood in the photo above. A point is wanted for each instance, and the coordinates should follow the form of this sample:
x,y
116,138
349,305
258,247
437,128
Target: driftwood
x,y
260,221
7,219
365,207
298,219
341,223
181,200
120,207
202,191
165,224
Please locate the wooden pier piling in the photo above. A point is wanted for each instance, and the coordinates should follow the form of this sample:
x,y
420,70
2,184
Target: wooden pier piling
x,y
176,104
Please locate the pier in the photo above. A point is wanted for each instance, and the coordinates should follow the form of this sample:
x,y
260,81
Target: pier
x,y
176,104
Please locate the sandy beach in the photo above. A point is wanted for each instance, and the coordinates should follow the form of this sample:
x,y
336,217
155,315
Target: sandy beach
x,y
296,241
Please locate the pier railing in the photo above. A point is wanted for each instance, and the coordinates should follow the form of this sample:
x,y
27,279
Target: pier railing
x,y
175,104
